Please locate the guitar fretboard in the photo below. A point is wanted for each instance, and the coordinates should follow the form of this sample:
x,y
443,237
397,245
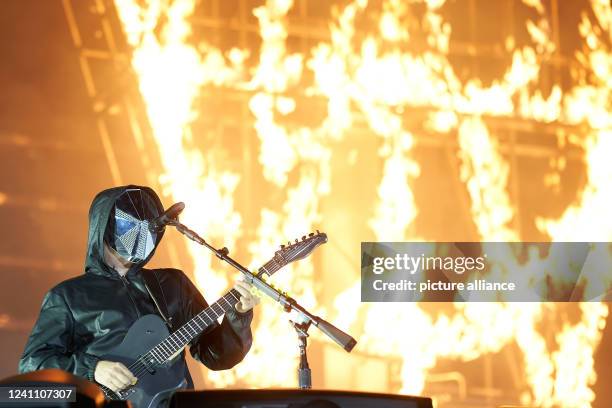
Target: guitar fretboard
x,y
175,342
190,330
181,337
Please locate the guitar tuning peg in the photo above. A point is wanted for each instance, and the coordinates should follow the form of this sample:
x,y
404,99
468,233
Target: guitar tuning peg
x,y
282,247
318,232
304,238
296,240
288,243
311,234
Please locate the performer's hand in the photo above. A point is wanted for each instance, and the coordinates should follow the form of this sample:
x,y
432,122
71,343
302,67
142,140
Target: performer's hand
x,y
247,299
113,375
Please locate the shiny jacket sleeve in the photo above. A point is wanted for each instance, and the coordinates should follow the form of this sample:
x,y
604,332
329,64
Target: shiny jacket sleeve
x,y
224,345
51,343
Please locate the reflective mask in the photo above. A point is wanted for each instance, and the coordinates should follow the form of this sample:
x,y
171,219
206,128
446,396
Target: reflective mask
x,y
127,231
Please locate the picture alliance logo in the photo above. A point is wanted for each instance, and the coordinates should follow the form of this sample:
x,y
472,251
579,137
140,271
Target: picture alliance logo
x,y
414,264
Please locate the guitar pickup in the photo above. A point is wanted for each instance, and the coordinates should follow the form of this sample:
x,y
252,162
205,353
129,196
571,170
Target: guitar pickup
x,y
149,364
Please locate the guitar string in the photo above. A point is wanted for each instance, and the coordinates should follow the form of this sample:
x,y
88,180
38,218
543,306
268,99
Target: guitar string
x,y
142,369
165,350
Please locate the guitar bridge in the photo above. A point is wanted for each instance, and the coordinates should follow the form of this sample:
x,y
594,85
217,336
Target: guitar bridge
x,y
118,395
125,394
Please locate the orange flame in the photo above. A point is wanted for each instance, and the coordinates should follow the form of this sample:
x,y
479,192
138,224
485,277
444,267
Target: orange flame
x,y
377,81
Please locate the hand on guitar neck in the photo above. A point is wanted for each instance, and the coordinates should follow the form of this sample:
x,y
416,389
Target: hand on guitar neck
x,y
247,299
117,376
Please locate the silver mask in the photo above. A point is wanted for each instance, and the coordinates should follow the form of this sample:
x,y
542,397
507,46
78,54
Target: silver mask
x,y
128,228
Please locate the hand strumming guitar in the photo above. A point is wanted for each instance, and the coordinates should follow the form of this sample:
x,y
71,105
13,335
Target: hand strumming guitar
x,y
113,375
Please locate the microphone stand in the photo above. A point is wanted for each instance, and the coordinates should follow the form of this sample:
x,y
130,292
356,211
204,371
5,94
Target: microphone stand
x,y
304,373
305,318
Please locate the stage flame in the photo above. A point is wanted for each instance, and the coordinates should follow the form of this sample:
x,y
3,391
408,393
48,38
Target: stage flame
x,y
372,78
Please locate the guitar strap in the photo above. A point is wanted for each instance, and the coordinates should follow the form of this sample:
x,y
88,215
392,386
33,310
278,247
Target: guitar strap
x,y
155,290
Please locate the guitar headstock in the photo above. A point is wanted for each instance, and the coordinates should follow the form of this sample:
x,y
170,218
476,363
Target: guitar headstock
x,y
294,251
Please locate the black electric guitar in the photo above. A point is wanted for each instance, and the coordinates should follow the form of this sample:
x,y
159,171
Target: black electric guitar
x,y
152,354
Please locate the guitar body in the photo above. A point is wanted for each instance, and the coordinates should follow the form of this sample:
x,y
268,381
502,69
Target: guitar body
x,y
159,382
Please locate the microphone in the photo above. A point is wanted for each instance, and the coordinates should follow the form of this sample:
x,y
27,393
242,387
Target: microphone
x,y
167,217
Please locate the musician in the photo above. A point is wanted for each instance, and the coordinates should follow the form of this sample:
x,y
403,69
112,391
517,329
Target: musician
x,y
85,317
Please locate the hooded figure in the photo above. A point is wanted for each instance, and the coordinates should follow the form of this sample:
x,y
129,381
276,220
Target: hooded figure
x,y
85,317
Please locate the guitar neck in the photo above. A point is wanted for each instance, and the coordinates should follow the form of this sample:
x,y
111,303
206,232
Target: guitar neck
x,y
272,266
190,330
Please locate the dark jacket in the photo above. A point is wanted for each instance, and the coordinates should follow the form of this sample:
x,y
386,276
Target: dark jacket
x,y
85,317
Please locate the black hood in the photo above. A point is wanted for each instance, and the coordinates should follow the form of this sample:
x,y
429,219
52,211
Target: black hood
x,y
99,214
